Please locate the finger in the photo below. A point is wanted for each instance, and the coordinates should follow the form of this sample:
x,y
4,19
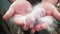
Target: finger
x,y
37,28
33,30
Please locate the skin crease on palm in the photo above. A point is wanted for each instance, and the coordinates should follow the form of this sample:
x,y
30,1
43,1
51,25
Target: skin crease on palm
x,y
19,8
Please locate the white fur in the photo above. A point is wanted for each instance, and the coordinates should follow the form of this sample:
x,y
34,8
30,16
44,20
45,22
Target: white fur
x,y
50,21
